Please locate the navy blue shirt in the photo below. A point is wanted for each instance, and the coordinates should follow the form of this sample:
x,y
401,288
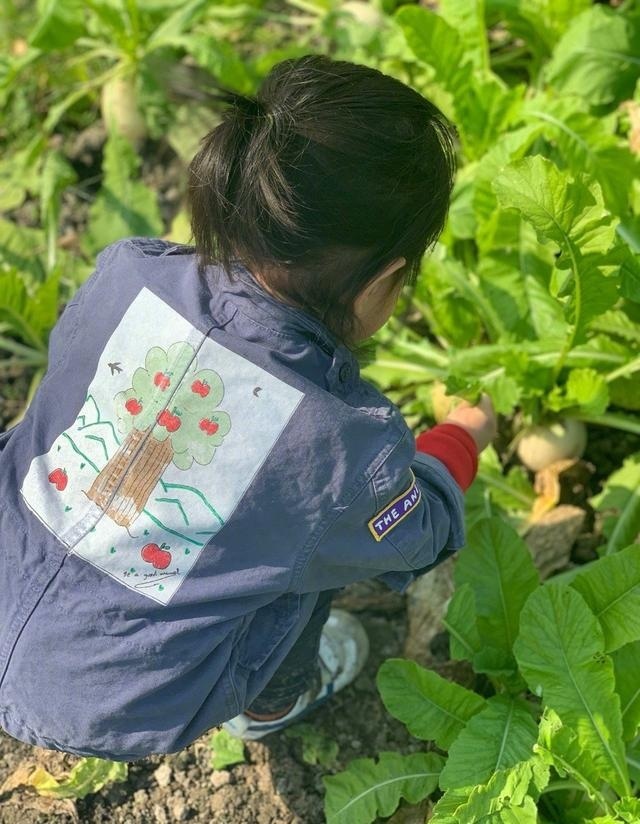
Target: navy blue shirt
x,y
199,461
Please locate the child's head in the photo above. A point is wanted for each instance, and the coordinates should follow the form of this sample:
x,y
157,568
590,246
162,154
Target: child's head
x,y
330,187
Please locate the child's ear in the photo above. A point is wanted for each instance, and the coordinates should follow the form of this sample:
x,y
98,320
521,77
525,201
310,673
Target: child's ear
x,y
380,282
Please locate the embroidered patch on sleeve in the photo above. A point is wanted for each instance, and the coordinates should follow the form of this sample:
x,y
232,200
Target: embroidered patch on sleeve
x,y
395,511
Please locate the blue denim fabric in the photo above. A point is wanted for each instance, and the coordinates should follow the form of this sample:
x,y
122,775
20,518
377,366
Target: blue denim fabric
x,y
300,669
199,463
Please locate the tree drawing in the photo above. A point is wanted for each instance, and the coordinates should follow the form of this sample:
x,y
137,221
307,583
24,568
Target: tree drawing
x,y
168,415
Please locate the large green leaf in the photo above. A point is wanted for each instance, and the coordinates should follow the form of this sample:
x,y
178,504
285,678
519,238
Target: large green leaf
x,y
467,17
625,811
560,651
497,564
124,206
433,708
560,208
559,746
585,391
367,790
498,737
509,146
507,798
611,588
598,56
626,665
585,142
460,621
60,23
571,215
483,103
29,313
619,504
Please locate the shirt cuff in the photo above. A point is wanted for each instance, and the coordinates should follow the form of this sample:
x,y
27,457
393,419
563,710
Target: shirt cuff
x,y
455,447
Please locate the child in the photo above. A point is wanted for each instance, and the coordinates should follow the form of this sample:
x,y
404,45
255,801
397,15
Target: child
x,y
202,466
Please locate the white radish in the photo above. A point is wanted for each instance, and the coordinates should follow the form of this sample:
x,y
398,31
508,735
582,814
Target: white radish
x,y
119,104
543,445
441,402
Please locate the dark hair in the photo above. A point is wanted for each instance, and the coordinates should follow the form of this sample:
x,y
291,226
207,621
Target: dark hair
x,y
328,175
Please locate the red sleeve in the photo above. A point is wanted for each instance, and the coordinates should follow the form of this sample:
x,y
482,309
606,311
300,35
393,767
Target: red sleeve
x,y
455,447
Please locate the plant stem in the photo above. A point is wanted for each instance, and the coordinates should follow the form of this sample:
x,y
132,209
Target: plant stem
x,y
627,369
611,419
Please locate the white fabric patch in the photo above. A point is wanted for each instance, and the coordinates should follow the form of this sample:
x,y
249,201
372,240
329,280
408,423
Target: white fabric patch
x,y
173,430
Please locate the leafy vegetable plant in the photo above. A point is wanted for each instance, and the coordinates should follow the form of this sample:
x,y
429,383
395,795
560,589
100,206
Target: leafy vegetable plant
x,y
552,733
533,292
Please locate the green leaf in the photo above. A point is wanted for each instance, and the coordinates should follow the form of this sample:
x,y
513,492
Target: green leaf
x,y
611,588
483,104
30,313
186,15
507,798
20,172
317,747
587,143
225,750
460,622
367,790
124,207
560,209
57,174
60,23
597,58
619,505
21,247
559,746
88,776
626,665
560,651
433,708
585,389
467,17
498,566
498,737
573,217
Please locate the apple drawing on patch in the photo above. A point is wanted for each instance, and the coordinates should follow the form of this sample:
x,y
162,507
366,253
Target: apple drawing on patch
x,y
59,478
158,556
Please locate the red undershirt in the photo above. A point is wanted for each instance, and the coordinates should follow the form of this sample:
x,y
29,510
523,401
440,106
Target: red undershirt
x,y
455,447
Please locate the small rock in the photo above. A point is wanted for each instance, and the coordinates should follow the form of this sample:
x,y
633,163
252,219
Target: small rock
x,y
160,814
179,809
140,798
219,778
551,538
427,599
163,775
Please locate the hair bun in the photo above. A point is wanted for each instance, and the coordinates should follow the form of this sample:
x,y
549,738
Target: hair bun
x,y
250,106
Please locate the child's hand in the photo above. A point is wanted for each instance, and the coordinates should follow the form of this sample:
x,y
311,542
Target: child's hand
x,y
479,421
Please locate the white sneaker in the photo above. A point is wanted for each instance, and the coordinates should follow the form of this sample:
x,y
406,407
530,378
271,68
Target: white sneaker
x,y
343,651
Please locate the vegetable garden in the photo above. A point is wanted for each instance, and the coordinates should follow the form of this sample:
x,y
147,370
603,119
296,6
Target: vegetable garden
x,y
503,688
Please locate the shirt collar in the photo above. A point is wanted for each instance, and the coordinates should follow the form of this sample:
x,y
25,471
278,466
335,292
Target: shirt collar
x,y
283,319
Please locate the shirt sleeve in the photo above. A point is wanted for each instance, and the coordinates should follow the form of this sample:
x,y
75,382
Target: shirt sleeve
x,y
455,447
397,526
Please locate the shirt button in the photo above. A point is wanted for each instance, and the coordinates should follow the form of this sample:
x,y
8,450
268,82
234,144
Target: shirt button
x,y
345,373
